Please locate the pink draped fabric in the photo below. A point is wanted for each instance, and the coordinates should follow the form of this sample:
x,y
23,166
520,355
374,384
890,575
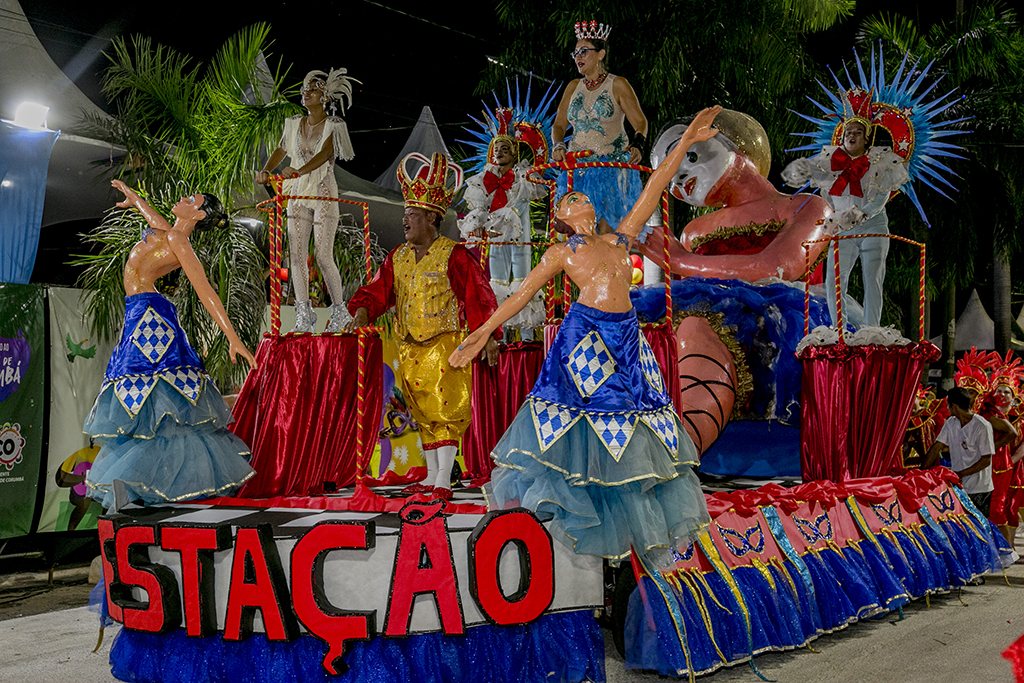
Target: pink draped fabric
x,y
855,406
298,413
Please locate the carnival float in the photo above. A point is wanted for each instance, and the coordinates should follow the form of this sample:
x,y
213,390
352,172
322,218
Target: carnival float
x,y
282,546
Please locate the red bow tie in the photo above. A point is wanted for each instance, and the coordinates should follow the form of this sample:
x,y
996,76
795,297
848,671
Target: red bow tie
x,y
500,187
852,171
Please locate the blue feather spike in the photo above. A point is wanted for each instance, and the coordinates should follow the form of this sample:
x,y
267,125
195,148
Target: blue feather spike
x,y
932,107
926,169
929,184
899,74
906,91
821,106
881,69
912,196
860,70
917,83
874,71
948,155
941,166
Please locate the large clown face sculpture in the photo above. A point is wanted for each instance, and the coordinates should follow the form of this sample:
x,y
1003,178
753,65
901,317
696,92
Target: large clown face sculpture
x,y
709,166
704,165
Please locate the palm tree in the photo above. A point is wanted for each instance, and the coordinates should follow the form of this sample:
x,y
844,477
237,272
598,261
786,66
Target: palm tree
x,y
189,128
747,55
980,52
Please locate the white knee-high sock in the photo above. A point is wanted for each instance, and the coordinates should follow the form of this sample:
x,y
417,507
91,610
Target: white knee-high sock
x,y
431,458
445,460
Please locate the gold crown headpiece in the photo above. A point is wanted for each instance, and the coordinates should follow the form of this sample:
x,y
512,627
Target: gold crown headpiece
x,y
432,183
591,30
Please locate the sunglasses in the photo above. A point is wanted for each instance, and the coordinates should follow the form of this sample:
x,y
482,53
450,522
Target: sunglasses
x,y
581,51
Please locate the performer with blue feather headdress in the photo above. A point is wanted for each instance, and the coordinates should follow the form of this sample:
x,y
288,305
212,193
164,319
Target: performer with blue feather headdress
x,y
857,179
508,143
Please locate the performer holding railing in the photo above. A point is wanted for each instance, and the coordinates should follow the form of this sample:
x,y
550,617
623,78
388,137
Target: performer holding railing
x,y
312,142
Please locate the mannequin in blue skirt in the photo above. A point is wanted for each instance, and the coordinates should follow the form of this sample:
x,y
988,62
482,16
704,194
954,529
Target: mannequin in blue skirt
x,y
160,419
597,447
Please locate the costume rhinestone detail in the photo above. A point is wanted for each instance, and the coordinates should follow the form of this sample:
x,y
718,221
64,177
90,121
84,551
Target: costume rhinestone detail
x,y
551,421
614,429
649,364
153,336
590,364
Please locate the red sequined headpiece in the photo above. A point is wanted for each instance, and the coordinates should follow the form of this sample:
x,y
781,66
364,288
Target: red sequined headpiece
x,y
970,371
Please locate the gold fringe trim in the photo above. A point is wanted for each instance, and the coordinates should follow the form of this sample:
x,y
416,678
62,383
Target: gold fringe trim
x,y
772,227
727,335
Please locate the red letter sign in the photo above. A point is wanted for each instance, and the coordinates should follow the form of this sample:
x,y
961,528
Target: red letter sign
x,y
162,610
424,564
258,583
196,545
536,567
335,627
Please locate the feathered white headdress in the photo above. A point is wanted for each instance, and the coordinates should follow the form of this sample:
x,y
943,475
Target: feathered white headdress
x,y
336,85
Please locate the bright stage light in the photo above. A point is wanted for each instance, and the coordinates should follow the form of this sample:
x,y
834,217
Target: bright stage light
x,y
31,115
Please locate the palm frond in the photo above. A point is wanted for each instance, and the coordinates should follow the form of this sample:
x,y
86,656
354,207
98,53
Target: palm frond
x,y
818,15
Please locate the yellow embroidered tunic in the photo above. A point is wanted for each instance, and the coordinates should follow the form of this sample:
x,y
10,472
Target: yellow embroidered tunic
x,y
427,297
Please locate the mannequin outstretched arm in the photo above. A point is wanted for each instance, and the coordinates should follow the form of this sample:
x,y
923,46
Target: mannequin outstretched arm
x,y
698,131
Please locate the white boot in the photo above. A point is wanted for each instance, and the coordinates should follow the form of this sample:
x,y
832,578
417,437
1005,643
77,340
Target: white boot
x,y
445,460
305,317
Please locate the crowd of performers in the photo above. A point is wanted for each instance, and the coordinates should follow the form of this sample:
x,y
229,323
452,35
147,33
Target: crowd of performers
x,y
598,448
976,431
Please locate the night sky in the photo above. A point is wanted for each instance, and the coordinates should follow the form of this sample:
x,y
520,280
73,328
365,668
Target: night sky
x,y
404,62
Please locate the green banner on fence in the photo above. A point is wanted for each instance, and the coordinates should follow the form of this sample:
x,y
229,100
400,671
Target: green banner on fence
x,y
22,374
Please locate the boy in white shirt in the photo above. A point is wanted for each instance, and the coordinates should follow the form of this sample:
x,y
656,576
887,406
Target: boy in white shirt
x,y
967,437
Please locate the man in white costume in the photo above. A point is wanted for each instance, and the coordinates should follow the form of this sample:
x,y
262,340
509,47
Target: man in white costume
x,y
856,181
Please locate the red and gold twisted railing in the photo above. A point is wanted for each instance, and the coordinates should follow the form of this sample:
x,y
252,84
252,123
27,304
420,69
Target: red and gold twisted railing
x,y
834,245
275,207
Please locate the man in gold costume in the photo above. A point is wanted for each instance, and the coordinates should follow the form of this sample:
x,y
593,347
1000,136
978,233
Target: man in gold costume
x,y
438,290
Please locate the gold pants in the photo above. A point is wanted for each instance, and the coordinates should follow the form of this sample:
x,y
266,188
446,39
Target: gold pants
x,y
437,394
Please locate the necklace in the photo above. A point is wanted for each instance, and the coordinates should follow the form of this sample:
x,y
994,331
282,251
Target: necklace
x,y
594,84
309,132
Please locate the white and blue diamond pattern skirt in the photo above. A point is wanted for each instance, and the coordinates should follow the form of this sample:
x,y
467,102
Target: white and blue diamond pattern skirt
x,y
161,421
598,447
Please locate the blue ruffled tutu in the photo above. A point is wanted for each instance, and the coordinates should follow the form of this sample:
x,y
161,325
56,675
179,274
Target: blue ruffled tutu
x,y
160,419
598,447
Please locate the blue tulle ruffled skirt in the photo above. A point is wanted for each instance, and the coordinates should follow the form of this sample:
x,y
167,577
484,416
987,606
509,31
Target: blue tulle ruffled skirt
x,y
160,419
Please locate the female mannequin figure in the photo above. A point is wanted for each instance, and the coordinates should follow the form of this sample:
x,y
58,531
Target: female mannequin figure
x,y
160,419
312,142
598,446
